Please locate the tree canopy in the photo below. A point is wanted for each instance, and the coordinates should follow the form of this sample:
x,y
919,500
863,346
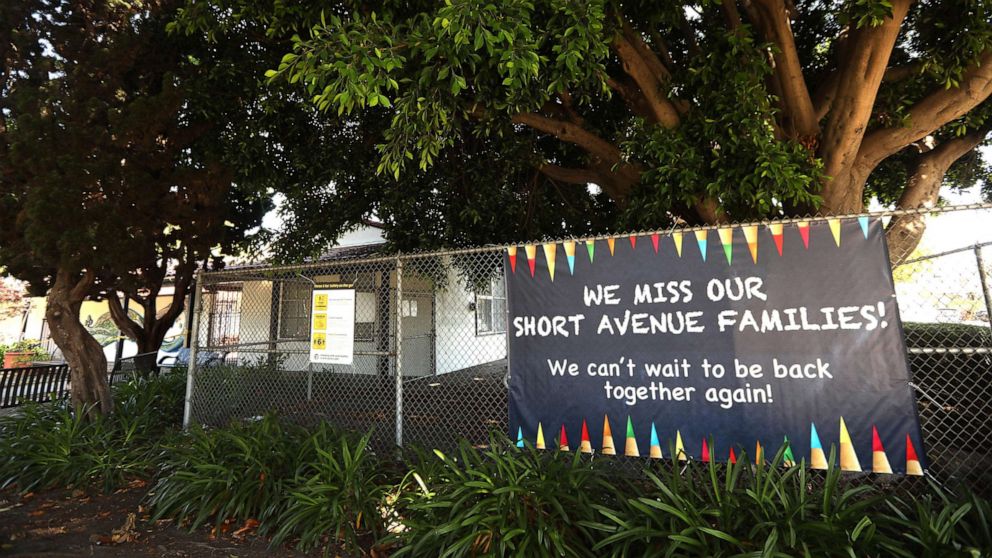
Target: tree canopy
x,y
490,118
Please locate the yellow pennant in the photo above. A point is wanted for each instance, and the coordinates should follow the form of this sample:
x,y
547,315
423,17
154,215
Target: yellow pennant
x,y
549,254
848,457
751,236
677,237
540,436
611,242
835,229
679,448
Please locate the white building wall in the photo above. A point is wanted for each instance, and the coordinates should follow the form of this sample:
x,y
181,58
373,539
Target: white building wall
x,y
458,345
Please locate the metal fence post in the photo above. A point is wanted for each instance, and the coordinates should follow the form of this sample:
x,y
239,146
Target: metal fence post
x,y
194,342
399,352
983,278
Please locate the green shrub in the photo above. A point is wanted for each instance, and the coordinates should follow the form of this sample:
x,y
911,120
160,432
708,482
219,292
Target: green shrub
x,y
338,491
49,445
501,501
238,473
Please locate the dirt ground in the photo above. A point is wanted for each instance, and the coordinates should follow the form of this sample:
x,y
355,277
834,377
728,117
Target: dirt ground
x,y
72,523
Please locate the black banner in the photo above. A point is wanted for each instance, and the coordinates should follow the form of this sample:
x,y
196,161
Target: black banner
x,y
714,342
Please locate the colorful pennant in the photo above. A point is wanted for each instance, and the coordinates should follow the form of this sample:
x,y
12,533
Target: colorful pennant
x,y
630,448
776,230
570,255
512,253
591,248
733,456
612,243
654,242
879,461
585,446
913,466
706,452
804,232
788,459
701,241
677,239
863,221
817,459
835,230
727,240
759,453
679,448
608,447
540,437
550,249
563,439
633,242
655,451
751,237
520,437
531,257
848,457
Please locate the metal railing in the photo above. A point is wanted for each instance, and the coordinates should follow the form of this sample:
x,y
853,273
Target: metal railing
x,y
33,383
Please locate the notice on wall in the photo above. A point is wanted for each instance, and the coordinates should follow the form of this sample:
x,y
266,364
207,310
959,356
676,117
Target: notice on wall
x,y
707,344
332,324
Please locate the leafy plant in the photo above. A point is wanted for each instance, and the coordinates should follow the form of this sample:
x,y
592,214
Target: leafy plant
x,y
500,501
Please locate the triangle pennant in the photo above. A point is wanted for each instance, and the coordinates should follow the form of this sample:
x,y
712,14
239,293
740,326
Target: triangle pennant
x,y
630,449
608,447
520,437
591,248
863,221
848,457
677,238
751,237
776,230
655,450
706,452
531,257
913,466
563,439
679,448
654,242
511,252
633,242
550,249
585,446
788,459
540,437
701,241
759,454
879,461
727,239
835,230
570,255
612,243
817,459
804,232
733,456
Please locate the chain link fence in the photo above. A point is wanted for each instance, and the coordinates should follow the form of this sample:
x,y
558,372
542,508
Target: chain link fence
x,y
430,364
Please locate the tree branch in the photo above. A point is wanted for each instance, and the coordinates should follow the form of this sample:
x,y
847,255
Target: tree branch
x,y
662,110
860,76
800,118
932,112
568,175
122,320
936,162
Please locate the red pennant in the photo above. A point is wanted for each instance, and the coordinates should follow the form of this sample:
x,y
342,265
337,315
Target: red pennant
x,y
513,261
910,450
633,241
804,232
733,456
778,242
706,452
563,440
585,431
876,442
654,241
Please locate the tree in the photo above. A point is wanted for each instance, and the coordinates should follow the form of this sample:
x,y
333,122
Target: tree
x,y
118,167
704,112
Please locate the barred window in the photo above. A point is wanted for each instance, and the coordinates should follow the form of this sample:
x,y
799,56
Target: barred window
x,y
490,308
294,310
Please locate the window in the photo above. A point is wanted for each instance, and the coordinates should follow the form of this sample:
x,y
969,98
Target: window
x,y
294,311
225,318
490,308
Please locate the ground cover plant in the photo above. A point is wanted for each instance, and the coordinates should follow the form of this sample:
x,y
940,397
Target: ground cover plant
x,y
318,488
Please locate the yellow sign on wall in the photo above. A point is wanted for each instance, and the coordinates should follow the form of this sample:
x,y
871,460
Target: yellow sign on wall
x,y
320,302
332,335
318,341
320,322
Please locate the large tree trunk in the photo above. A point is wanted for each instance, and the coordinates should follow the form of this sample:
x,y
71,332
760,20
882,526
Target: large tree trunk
x,y
88,365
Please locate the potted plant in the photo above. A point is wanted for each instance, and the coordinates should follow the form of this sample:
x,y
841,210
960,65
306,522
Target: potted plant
x,y
22,354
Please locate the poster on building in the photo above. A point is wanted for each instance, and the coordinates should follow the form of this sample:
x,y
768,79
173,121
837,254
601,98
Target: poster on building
x,y
709,343
332,324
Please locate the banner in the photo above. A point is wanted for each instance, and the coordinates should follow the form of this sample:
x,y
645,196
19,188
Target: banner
x,y
332,324
715,342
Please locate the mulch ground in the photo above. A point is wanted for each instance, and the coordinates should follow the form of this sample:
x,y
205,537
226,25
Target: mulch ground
x,y
74,523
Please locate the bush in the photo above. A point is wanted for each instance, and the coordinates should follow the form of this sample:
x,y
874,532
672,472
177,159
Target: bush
x,y
49,445
501,501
